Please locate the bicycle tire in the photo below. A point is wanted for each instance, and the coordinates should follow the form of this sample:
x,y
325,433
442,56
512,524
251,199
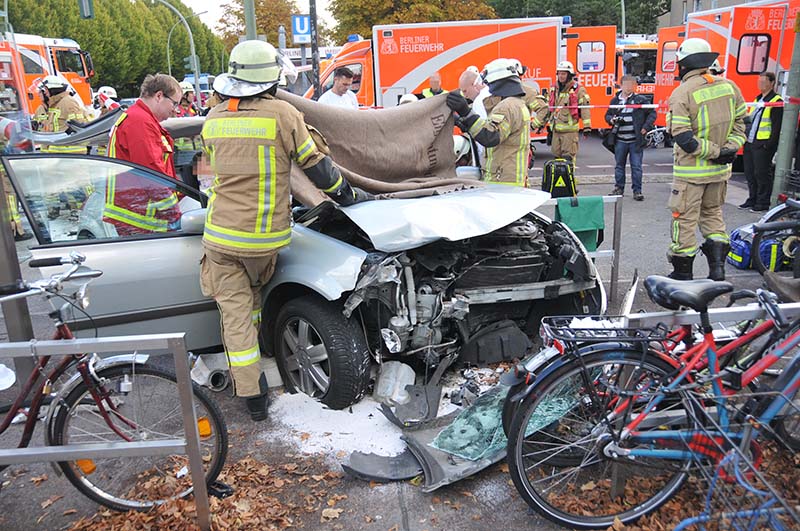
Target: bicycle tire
x,y
780,214
138,483
575,447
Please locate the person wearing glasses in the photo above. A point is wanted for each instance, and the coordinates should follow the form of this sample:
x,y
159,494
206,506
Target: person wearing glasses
x,y
135,205
138,135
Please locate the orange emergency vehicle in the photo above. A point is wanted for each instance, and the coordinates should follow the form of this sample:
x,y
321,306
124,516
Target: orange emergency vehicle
x,y
400,58
751,38
42,56
637,57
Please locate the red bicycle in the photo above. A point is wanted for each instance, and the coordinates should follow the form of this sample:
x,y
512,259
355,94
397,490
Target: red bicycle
x,y
122,398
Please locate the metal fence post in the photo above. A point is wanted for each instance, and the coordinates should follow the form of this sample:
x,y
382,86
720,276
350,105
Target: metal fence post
x,y
615,245
15,313
178,348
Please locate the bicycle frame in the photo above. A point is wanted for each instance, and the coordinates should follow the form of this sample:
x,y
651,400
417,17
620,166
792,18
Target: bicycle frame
x,y
41,386
721,394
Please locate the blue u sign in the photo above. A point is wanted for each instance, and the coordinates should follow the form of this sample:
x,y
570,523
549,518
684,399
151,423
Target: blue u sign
x,y
301,29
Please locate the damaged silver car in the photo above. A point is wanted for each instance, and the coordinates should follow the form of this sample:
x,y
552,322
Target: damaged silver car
x,y
410,286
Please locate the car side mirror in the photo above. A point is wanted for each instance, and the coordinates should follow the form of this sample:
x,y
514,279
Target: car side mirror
x,y
193,221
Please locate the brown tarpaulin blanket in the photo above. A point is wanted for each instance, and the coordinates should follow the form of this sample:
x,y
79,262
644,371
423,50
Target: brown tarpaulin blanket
x,y
404,151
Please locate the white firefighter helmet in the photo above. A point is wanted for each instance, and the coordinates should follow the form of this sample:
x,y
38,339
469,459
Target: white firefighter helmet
x,y
54,84
565,66
186,87
406,98
108,92
461,147
254,67
695,53
499,69
520,69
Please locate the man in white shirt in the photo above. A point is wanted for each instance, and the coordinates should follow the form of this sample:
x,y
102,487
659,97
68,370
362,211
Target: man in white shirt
x,y
340,94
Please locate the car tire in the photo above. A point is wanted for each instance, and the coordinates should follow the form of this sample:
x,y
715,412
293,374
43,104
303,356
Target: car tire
x,y
314,342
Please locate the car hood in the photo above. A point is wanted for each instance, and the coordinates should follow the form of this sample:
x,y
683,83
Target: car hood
x,y
400,224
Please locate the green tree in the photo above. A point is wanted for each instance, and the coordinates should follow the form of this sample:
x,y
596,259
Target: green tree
x,y
641,16
269,15
358,16
127,39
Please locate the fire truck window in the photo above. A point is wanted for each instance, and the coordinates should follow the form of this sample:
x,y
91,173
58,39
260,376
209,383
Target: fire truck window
x,y
356,70
30,66
753,54
591,56
69,61
669,56
640,63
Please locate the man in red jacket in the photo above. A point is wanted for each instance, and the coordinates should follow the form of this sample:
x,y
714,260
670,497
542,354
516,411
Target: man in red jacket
x,y
136,205
138,135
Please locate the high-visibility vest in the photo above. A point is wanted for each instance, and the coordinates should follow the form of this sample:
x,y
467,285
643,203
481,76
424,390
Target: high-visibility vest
x,y
764,131
428,93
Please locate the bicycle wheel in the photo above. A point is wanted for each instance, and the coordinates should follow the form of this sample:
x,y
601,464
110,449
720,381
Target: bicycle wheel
x,y
780,214
787,425
147,409
555,449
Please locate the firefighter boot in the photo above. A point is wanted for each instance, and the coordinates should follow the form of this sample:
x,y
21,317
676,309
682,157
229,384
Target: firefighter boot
x,y
682,267
257,405
716,252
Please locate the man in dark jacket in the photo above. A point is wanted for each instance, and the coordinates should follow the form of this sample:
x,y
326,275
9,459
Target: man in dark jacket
x,y
632,125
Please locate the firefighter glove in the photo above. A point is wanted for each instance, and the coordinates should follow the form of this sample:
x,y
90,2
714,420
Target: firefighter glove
x,y
726,156
458,103
362,195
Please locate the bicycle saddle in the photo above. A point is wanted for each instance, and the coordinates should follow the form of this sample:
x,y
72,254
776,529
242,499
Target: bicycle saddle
x,y
694,294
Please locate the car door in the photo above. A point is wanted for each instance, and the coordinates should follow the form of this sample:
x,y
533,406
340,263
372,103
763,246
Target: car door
x,y
150,281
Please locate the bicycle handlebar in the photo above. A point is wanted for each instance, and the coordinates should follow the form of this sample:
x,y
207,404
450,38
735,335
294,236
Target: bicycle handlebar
x,y
13,288
46,262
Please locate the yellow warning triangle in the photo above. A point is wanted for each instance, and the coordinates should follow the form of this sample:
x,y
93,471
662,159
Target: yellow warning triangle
x,y
560,183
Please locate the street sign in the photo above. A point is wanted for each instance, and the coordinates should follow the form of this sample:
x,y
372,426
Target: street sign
x,y
301,29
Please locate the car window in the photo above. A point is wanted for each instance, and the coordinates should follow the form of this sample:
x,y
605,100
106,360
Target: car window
x,y
79,198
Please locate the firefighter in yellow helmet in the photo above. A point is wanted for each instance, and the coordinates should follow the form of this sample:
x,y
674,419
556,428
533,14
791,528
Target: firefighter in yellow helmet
x,y
505,130
252,140
565,97
61,106
706,121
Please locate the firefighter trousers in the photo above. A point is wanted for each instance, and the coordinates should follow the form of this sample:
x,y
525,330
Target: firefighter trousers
x,y
694,205
235,284
565,144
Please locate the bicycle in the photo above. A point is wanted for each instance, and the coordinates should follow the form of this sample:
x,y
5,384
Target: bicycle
x,y
117,399
612,435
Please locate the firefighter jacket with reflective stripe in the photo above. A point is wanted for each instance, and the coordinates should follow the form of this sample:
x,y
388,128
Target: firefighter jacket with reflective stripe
x,y
537,105
709,110
769,120
135,205
138,137
565,118
507,163
251,144
63,107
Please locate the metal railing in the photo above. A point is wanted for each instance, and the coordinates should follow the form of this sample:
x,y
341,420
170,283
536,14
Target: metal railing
x,y
152,344
612,253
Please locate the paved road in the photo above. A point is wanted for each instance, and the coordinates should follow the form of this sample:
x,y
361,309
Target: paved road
x,y
595,160
495,503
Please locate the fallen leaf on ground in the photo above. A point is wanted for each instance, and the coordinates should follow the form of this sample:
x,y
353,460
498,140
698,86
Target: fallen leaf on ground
x,y
36,480
69,512
51,500
330,514
588,486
